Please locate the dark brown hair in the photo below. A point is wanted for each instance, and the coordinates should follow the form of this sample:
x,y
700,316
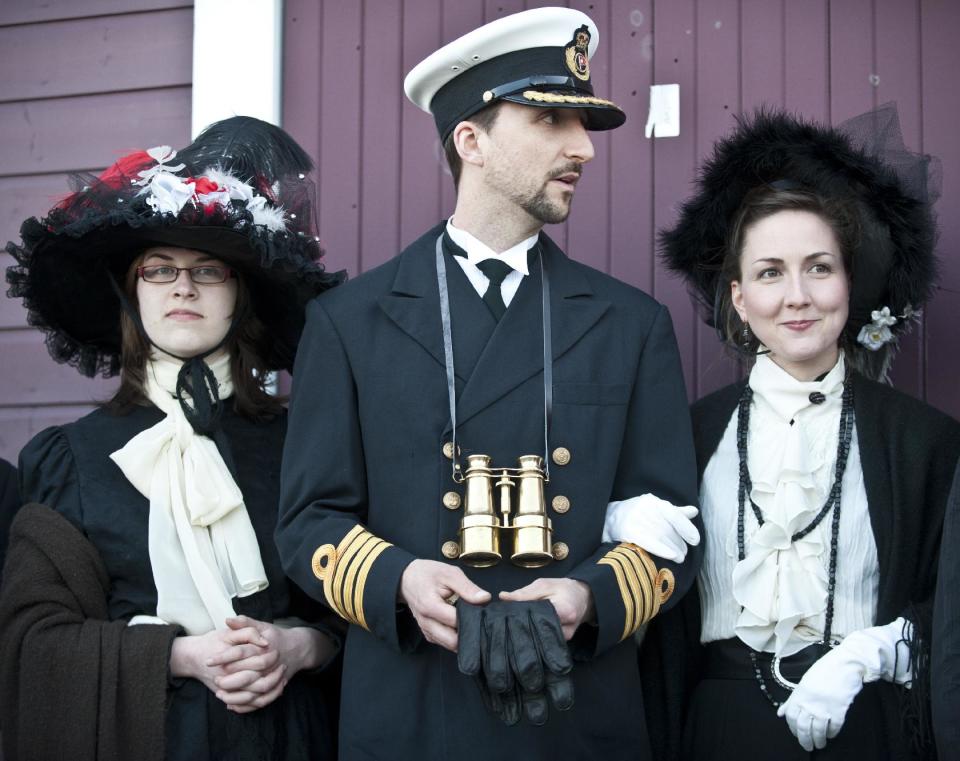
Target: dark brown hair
x,y
483,120
248,370
760,203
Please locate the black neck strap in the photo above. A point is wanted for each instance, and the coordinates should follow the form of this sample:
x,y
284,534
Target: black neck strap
x,y
448,356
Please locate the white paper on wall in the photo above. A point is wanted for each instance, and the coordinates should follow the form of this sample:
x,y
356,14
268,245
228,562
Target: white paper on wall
x,y
663,119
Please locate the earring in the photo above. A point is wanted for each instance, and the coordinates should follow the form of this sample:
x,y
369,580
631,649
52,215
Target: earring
x,y
746,335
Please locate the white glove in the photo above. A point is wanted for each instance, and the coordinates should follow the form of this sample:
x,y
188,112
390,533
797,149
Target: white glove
x,y
661,528
818,706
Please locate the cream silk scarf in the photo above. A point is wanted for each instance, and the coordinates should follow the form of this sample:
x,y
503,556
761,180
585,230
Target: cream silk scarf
x,y
792,444
203,549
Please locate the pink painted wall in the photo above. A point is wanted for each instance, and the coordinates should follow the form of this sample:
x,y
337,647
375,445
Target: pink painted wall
x,y
383,180
84,81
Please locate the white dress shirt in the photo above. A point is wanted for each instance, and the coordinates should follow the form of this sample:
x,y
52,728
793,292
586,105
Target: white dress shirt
x,y
478,251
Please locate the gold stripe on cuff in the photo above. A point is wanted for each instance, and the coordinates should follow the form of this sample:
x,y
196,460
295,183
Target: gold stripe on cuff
x,y
346,552
374,553
350,574
643,587
640,585
344,571
629,606
646,583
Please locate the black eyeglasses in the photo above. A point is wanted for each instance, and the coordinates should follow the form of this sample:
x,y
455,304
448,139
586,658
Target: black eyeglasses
x,y
203,274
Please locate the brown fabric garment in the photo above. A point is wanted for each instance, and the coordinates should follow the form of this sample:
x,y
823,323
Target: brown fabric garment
x,y
72,683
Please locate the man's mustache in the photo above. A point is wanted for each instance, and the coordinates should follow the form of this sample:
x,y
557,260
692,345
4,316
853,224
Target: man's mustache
x,y
572,168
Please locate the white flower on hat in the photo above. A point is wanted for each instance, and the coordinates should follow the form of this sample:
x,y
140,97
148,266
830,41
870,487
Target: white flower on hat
x,y
167,193
161,154
874,336
273,218
883,317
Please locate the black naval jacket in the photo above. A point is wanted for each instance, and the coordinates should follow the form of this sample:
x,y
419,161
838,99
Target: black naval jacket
x,y
364,476
908,451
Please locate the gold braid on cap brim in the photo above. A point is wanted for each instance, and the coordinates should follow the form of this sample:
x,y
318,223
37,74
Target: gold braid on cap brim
x,y
344,570
552,97
643,586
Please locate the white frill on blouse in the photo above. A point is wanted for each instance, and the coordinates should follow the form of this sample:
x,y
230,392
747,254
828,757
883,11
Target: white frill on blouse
x,y
792,444
203,549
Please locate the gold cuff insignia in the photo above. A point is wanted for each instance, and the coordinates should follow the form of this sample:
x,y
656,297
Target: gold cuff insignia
x,y
344,569
643,586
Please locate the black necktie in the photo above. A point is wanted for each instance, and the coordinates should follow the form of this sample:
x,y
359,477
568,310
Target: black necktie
x,y
496,271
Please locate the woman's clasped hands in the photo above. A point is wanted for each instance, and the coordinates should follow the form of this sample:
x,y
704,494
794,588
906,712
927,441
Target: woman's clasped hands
x,y
248,664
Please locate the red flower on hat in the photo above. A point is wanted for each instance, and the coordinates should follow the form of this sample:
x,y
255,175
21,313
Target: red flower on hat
x,y
120,173
205,185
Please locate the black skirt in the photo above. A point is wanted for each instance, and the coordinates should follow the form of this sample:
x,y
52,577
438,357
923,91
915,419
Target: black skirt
x,y
731,718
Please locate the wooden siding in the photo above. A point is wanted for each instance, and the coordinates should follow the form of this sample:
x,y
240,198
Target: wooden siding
x,y
85,81
382,179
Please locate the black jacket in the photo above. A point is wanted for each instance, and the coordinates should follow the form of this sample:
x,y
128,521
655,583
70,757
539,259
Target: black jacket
x,y
9,504
945,655
364,454
68,468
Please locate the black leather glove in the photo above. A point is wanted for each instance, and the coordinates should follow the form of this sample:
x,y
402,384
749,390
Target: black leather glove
x,y
470,637
517,653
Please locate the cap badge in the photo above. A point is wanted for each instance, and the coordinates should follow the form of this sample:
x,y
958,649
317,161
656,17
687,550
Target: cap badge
x,y
575,53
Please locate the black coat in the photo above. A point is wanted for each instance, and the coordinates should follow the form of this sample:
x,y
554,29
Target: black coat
x,y
368,421
9,504
945,655
68,468
908,452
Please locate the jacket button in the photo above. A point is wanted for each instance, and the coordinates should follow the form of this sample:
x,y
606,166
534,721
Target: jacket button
x,y
451,500
450,550
560,551
561,455
560,504
448,450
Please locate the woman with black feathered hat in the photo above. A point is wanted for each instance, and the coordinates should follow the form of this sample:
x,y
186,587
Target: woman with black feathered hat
x,y
822,490
144,613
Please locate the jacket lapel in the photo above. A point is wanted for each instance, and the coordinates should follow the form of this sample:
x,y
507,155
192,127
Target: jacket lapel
x,y
514,352
876,474
414,301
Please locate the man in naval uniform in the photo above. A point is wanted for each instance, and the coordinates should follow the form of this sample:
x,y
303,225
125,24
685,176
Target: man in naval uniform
x,y
447,342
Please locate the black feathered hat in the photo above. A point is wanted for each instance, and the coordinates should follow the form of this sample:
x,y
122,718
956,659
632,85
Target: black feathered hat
x,y
238,192
862,163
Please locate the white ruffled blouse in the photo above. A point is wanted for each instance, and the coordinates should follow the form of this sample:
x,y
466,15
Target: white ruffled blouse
x,y
775,599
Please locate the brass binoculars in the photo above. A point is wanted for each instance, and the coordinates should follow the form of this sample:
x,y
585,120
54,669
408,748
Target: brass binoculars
x,y
520,527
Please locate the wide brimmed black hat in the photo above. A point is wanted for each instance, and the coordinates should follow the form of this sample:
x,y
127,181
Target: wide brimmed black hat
x,y
863,163
540,57
238,192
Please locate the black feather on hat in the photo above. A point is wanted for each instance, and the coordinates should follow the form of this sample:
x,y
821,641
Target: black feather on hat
x,y
862,162
238,192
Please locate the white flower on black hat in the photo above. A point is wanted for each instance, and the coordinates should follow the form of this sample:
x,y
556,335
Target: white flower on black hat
x,y
167,193
876,333
874,336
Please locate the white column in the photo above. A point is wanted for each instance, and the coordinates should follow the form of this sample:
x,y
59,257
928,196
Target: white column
x,y
237,60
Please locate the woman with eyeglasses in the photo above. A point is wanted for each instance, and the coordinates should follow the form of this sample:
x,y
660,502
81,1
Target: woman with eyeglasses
x,y
145,613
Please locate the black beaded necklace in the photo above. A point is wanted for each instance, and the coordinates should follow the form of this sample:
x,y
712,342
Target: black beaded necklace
x,y
832,501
